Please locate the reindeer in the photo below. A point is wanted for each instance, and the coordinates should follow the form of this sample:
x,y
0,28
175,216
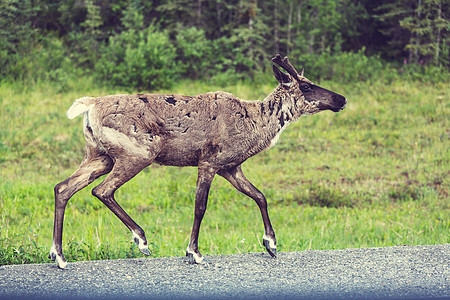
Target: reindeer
x,y
215,132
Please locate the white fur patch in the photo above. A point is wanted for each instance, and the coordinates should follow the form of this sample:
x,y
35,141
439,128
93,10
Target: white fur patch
x,y
125,142
53,250
277,136
141,244
79,107
62,264
286,111
197,258
271,241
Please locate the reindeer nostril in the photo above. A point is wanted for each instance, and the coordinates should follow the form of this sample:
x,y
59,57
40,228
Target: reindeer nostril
x,y
340,100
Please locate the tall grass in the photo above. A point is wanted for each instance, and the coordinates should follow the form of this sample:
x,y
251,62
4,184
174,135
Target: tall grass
x,y
375,174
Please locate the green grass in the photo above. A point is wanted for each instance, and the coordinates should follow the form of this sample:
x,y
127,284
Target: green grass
x,y
374,175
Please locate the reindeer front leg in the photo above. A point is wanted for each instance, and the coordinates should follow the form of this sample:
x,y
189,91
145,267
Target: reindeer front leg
x,y
241,183
204,179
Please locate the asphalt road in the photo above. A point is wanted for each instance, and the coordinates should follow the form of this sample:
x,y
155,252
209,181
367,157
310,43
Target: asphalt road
x,y
403,272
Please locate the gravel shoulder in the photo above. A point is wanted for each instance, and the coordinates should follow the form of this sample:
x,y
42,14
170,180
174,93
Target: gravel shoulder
x,y
368,273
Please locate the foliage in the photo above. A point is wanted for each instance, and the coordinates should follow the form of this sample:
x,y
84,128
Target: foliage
x,y
218,40
15,19
194,54
418,27
16,36
48,61
144,60
348,67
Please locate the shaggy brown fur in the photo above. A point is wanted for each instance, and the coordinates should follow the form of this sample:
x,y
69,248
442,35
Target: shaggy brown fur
x,y
216,132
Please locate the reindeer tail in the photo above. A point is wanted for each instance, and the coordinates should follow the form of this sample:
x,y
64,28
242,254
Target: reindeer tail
x,y
80,106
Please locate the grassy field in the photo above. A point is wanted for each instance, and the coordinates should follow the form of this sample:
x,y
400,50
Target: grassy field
x,y
373,175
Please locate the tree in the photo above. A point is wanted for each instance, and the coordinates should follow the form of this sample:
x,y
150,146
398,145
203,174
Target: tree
x,y
427,27
15,25
17,36
418,27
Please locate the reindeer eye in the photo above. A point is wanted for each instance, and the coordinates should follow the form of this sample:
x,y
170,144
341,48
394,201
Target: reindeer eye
x,y
305,87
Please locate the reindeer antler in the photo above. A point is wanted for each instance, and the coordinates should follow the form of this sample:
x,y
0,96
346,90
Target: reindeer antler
x,y
285,64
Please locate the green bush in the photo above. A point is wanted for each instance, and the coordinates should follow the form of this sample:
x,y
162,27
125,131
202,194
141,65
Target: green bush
x,y
47,61
429,74
194,53
228,63
344,66
144,60
219,60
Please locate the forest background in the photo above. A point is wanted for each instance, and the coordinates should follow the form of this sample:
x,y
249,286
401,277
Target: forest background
x,y
373,175
151,44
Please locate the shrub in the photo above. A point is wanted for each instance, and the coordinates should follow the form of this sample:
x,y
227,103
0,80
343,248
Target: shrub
x,y
194,53
430,74
144,60
229,64
47,60
344,66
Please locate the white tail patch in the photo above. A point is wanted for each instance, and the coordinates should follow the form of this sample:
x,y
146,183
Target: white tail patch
x,y
80,106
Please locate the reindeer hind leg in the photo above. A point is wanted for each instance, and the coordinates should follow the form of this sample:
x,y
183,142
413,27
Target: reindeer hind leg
x,y
92,167
124,169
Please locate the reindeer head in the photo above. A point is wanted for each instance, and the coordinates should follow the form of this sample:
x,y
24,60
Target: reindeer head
x,y
315,98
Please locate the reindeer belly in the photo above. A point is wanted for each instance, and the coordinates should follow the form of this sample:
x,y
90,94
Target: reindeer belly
x,y
192,152
178,154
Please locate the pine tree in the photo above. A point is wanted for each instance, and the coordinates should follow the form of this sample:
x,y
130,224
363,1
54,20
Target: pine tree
x,y
422,27
15,25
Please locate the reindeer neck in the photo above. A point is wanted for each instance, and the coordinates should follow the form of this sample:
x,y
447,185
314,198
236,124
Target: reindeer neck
x,y
278,110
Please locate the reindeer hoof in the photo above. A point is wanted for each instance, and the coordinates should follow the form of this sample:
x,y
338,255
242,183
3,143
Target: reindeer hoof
x,y
270,245
62,263
52,256
59,258
194,258
145,251
142,244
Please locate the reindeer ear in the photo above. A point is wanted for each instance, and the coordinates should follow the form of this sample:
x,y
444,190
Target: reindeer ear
x,y
282,77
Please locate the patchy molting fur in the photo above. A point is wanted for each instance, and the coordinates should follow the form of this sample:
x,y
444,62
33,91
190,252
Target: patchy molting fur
x,y
183,131
215,131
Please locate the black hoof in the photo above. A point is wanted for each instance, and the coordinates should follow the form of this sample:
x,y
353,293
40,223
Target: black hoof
x,y
271,250
190,258
52,256
145,251
193,258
